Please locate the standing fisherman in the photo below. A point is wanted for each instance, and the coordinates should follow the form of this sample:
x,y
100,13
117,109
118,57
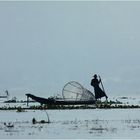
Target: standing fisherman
x,y
99,93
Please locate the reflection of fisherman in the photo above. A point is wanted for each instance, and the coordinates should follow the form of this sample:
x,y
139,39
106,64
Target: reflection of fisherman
x,y
99,93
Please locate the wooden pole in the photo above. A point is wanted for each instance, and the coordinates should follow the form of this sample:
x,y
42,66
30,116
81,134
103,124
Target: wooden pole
x,y
102,86
27,100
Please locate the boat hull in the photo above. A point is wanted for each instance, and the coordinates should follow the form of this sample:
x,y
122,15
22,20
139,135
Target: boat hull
x,y
52,101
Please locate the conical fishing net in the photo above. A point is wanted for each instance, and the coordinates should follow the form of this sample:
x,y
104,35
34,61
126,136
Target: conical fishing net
x,y
76,92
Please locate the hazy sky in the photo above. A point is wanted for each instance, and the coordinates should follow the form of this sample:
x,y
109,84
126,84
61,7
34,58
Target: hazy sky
x,y
44,45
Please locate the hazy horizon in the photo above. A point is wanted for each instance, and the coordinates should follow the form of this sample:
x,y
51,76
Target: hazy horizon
x,y
44,45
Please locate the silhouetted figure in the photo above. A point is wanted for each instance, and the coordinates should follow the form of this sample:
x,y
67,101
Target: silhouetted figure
x,y
34,121
99,93
7,93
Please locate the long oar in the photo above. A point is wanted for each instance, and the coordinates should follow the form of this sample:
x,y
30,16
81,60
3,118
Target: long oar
x,y
102,85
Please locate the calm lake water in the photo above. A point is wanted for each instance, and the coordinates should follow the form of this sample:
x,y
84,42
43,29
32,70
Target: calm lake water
x,y
71,124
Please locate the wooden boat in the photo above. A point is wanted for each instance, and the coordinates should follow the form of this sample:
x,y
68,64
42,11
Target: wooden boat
x,y
52,101
73,93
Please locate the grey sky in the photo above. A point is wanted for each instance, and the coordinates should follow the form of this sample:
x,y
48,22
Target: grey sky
x,y
44,45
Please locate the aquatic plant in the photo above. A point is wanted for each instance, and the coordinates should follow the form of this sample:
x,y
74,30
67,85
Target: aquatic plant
x,y
19,109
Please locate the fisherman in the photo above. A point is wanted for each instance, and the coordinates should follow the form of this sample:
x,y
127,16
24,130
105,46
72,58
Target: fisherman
x,y
99,93
34,121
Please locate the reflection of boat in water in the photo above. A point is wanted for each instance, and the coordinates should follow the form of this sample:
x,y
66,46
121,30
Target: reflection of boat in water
x,y
73,94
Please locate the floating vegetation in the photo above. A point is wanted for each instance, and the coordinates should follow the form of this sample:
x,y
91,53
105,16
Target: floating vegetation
x,y
123,97
99,104
19,109
91,124
9,125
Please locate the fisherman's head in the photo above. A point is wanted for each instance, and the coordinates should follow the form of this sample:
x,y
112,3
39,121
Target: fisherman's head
x,y
95,76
